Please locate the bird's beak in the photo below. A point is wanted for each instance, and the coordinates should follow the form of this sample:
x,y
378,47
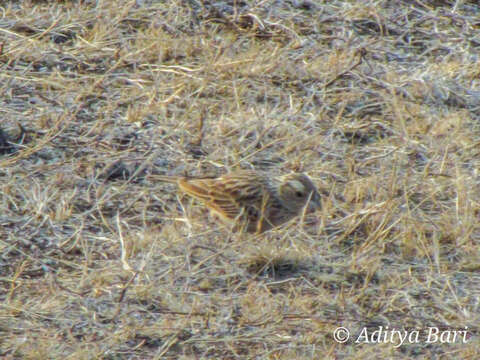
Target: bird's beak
x,y
314,202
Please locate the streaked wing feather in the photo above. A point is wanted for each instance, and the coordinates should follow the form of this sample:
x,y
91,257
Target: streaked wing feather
x,y
227,209
228,195
212,194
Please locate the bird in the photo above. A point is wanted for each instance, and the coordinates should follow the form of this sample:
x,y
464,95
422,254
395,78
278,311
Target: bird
x,y
250,200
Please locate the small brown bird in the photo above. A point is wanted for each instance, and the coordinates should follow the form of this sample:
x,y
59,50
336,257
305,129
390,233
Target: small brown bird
x,y
250,200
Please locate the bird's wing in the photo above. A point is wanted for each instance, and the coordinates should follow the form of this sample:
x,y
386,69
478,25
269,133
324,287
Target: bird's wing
x,y
229,195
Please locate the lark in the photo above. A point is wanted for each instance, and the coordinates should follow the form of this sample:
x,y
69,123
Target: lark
x,y
250,200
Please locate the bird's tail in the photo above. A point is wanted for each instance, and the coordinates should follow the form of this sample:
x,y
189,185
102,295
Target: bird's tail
x,y
164,178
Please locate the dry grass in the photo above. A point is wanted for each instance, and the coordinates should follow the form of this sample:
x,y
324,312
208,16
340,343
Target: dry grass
x,y
379,101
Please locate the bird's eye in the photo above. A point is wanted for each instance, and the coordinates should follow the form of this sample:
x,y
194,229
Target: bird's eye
x,y
298,194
